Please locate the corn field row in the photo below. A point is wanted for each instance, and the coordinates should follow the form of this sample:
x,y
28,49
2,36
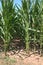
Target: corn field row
x,y
25,22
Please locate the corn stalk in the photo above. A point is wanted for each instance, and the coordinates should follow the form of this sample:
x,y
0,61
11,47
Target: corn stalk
x,y
7,20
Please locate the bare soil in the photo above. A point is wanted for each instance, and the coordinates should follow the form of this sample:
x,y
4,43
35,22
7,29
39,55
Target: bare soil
x,y
20,58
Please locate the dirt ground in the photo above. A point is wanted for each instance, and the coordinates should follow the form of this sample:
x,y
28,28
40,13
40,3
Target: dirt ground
x,y
20,58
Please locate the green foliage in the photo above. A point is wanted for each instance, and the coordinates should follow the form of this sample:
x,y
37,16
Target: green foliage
x,y
25,22
8,17
25,19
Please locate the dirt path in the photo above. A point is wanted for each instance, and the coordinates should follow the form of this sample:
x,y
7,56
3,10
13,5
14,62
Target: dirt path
x,y
21,58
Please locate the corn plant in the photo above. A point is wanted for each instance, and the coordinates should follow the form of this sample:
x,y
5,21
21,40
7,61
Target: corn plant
x,y
41,35
8,13
25,18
